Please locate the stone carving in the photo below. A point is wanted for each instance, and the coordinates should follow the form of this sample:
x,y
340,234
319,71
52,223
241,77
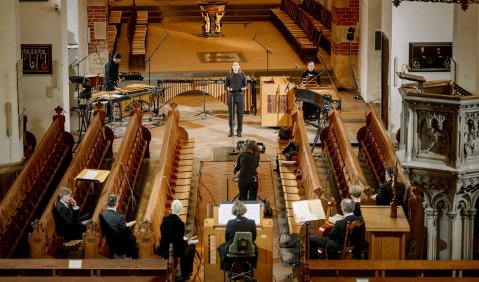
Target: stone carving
x,y
471,146
430,181
434,133
218,22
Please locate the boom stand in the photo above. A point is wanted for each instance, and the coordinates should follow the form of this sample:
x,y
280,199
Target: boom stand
x,y
267,53
151,55
81,109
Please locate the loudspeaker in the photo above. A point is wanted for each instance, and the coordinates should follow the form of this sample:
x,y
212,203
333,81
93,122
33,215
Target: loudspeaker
x,y
378,40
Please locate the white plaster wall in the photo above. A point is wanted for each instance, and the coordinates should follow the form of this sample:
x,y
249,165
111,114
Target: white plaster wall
x,y
72,21
416,22
11,147
369,59
466,47
40,23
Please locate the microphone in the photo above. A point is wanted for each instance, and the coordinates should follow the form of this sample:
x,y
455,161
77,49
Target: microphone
x,y
254,37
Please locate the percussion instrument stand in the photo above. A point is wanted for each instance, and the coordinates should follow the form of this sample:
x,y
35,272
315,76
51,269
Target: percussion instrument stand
x,y
204,112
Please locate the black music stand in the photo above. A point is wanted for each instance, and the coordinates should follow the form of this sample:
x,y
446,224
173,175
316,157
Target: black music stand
x,y
204,112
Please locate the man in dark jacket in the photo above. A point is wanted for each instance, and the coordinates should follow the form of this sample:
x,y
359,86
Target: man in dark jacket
x,y
119,237
173,231
68,222
334,243
111,73
385,193
235,84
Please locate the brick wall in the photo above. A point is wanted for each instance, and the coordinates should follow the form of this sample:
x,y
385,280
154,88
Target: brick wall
x,y
345,16
96,13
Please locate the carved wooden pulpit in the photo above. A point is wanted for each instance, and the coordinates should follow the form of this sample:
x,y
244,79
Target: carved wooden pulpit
x,y
212,12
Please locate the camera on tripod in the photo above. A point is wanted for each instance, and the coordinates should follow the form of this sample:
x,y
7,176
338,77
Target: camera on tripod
x,y
350,35
243,144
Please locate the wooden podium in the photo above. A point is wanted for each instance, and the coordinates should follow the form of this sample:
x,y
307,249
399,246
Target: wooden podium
x,y
214,235
277,100
386,235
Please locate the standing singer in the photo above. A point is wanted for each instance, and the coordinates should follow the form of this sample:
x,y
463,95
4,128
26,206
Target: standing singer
x,y
235,84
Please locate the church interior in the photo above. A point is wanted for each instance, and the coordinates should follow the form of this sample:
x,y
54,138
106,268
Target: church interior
x,y
395,86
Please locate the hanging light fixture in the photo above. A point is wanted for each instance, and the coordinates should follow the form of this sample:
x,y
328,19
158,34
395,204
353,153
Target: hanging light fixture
x,y
464,3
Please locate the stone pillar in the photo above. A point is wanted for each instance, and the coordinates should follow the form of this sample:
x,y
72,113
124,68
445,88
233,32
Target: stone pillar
x,y
468,233
11,151
431,218
345,14
456,236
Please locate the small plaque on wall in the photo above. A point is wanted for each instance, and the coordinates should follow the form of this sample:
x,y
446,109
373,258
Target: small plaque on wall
x,y
37,58
430,56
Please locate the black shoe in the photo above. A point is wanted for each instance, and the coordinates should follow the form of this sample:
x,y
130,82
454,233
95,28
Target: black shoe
x,y
239,134
231,134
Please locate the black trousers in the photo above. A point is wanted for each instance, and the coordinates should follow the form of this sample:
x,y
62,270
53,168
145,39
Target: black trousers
x,y
248,187
187,258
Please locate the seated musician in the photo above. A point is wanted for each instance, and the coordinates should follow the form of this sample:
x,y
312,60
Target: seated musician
x,y
68,222
385,193
119,237
355,192
335,241
173,231
239,224
310,77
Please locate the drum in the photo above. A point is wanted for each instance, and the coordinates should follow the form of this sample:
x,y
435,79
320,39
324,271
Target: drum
x,y
96,81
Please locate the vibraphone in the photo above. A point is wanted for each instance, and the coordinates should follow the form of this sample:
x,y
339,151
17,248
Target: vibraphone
x,y
134,92
213,86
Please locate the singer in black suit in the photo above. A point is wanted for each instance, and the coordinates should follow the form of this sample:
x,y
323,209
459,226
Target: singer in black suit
x,y
235,84
242,224
335,241
68,222
173,231
119,237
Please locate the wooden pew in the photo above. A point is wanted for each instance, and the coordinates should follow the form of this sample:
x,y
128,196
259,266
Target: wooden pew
x,y
344,163
95,146
379,152
121,181
34,183
390,270
296,187
171,182
324,16
88,270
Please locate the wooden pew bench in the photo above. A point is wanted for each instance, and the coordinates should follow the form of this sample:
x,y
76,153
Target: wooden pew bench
x,y
344,163
171,181
35,181
142,17
91,153
112,36
294,35
297,185
122,180
115,17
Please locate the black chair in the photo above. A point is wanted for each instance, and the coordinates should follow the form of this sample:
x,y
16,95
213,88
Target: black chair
x,y
241,252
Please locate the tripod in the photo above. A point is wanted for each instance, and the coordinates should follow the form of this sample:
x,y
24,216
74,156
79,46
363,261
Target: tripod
x,y
352,76
322,121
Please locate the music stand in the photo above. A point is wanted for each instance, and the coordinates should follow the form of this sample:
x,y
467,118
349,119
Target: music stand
x,y
305,212
204,112
93,176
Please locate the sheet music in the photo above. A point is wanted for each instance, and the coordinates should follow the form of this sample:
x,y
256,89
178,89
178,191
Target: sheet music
x,y
90,175
224,213
308,210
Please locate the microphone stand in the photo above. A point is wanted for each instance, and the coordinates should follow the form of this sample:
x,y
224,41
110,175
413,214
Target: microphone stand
x,y
151,55
267,53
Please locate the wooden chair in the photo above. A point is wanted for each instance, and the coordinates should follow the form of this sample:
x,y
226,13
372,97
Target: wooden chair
x,y
353,240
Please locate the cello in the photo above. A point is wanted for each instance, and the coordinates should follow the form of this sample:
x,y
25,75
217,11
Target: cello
x,y
326,228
